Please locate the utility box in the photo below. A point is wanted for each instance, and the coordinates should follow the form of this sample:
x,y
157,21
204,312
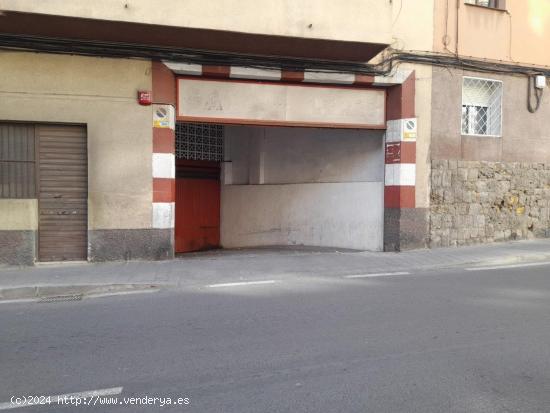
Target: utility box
x,y
540,82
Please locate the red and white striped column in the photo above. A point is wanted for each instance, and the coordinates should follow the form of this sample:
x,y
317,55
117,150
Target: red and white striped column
x,y
164,166
163,159
400,160
405,225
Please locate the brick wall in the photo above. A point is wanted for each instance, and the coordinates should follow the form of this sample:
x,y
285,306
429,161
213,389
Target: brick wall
x,y
479,202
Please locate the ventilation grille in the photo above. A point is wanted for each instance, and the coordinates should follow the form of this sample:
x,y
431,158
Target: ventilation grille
x,y
199,141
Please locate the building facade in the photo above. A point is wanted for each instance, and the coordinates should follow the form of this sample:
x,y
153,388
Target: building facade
x,y
490,163
132,130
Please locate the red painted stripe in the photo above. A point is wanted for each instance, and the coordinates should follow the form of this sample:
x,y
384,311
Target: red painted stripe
x,y
408,152
400,104
292,76
216,71
164,84
164,190
363,80
164,140
399,197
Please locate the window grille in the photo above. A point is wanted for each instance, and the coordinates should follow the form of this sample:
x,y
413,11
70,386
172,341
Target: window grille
x,y
481,107
493,4
17,161
199,141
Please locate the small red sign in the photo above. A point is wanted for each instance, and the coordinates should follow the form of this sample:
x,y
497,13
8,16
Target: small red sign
x,y
144,97
393,153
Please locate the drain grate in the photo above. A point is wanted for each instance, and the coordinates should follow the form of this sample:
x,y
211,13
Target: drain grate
x,y
61,298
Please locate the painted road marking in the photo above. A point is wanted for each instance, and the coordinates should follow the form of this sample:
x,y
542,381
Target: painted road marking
x,y
503,267
382,274
238,284
26,401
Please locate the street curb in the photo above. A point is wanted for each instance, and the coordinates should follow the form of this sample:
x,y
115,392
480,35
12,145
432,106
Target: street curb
x,y
74,292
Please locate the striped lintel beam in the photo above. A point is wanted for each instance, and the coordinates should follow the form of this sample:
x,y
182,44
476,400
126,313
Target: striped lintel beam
x,y
250,73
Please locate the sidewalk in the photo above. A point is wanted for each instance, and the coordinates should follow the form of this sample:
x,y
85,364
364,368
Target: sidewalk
x,y
257,264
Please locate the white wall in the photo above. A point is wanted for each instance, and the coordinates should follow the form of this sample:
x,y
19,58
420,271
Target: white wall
x,y
302,186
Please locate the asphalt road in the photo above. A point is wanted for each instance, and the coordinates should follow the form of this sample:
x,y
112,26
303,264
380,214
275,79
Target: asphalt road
x,y
447,341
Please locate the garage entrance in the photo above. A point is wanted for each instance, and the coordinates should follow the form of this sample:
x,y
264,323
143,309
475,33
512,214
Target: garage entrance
x,y
274,164
249,186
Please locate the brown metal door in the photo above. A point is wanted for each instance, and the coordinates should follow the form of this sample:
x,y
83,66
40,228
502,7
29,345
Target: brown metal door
x,y
62,193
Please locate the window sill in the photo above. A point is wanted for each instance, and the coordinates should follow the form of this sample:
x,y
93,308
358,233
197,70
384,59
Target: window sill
x,y
480,136
485,7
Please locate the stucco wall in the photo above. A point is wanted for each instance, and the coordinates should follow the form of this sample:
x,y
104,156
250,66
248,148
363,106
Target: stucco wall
x,y
304,155
18,214
525,136
353,20
520,34
289,186
101,94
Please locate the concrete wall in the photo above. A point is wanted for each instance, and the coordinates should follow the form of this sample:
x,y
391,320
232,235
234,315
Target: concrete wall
x,y
352,20
101,94
288,186
525,136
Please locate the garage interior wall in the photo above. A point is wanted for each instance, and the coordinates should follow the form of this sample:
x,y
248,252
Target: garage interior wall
x,y
302,186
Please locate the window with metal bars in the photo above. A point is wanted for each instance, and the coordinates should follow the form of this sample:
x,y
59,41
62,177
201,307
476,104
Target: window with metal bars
x,y
17,161
481,107
199,141
492,4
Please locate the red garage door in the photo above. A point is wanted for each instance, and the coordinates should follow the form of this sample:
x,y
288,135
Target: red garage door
x,y
197,205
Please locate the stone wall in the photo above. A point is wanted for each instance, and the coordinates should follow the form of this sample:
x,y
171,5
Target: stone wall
x,y
479,202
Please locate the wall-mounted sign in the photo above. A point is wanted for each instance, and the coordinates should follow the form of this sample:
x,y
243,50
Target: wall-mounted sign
x,y
163,116
409,129
393,153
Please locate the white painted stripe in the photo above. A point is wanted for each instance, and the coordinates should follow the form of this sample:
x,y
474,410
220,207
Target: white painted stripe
x,y
184,68
382,274
163,215
333,78
164,165
394,130
396,78
503,267
80,395
407,174
238,284
238,72
400,174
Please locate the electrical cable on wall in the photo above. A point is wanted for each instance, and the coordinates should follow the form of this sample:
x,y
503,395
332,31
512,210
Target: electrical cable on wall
x,y
390,59
387,64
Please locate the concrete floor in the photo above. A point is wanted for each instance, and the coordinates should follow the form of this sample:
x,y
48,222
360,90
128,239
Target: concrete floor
x,y
445,340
